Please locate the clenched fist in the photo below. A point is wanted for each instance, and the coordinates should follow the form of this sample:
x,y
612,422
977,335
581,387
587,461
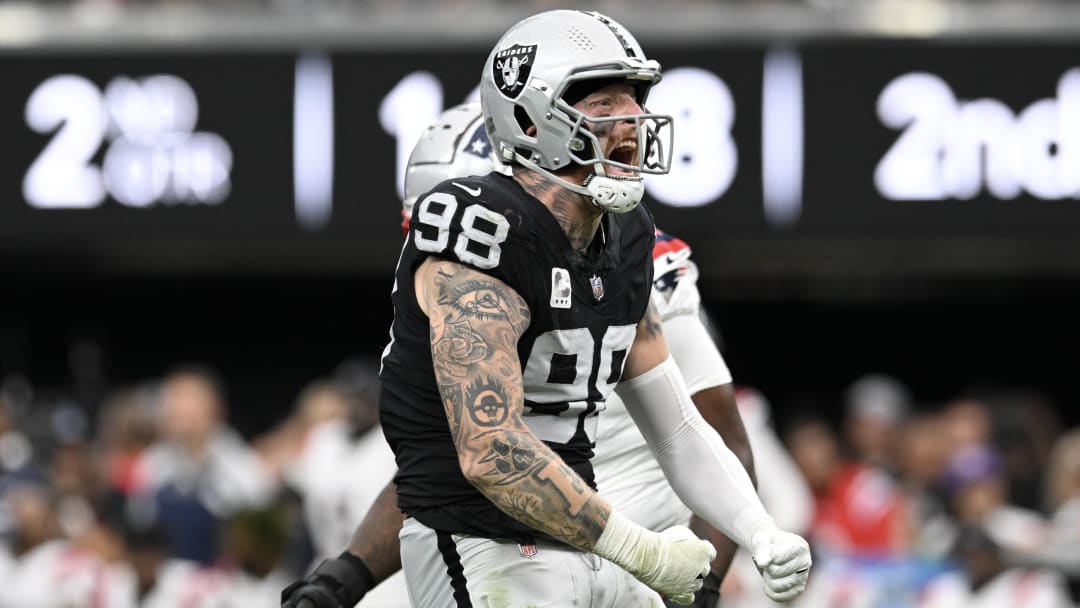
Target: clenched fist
x,y
672,562
339,582
783,559
683,568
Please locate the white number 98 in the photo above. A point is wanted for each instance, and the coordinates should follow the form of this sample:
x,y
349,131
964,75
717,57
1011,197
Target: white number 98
x,y
437,211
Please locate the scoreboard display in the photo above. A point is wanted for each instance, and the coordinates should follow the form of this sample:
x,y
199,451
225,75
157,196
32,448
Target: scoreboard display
x,y
292,160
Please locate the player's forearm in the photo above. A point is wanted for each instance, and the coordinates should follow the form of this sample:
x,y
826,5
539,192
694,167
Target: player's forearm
x,y
521,475
516,471
712,482
525,479
718,408
708,379
376,538
476,321
704,473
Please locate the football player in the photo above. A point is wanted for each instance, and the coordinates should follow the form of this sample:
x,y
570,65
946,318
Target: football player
x,y
517,301
456,146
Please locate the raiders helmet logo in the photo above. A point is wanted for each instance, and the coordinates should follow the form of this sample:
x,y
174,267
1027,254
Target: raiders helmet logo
x,y
512,67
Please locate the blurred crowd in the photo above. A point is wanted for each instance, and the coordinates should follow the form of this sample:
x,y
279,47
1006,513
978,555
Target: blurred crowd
x,y
151,498
973,502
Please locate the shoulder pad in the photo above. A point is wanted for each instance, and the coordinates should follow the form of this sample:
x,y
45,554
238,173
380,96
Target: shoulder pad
x,y
466,220
670,257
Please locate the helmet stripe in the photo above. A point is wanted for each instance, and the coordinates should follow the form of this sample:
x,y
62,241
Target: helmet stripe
x,y
616,30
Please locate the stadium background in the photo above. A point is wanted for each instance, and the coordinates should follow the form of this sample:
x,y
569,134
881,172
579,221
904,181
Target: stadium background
x,y
243,212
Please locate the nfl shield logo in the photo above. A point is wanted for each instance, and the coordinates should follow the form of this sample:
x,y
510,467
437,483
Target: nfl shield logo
x,y
527,549
597,286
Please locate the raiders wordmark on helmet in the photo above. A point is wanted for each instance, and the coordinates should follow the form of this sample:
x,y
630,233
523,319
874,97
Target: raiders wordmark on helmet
x,y
512,67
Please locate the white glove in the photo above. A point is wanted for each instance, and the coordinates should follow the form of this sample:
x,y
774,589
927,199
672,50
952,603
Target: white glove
x,y
783,559
673,562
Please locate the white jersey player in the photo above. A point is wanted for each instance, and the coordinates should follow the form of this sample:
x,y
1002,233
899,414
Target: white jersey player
x,y
627,473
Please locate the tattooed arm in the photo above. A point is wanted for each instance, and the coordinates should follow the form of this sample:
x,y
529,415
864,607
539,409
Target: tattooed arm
x,y
476,321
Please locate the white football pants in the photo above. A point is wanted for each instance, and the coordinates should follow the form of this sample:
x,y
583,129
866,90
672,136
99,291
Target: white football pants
x,y
459,571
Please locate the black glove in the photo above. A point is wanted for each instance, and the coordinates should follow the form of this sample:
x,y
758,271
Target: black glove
x,y
337,583
706,597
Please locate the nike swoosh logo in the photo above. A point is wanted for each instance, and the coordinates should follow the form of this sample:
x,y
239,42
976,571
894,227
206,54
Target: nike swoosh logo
x,y
474,192
675,258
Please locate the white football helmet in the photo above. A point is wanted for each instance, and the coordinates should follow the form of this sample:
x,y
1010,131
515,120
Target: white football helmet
x,y
455,145
528,74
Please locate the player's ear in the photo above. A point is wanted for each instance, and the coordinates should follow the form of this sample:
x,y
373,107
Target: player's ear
x,y
531,131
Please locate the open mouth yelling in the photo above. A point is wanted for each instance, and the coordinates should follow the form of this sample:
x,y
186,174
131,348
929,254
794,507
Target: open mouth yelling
x,y
624,152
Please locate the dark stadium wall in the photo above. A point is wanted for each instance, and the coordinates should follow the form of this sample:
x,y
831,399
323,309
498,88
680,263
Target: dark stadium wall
x,y
268,337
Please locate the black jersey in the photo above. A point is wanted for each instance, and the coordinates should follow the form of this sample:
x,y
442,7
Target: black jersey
x,y
584,314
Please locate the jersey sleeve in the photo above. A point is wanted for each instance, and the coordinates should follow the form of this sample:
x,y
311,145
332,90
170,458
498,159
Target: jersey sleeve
x,y
695,353
452,223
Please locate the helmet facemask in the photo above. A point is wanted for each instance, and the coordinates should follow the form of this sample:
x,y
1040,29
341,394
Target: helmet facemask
x,y
621,189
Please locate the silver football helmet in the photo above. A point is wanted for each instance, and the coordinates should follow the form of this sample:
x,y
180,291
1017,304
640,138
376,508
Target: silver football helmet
x,y
525,84
455,145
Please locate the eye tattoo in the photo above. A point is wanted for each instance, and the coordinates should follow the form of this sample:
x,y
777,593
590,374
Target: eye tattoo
x,y
476,299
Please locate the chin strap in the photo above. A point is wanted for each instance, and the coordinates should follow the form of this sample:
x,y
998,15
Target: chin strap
x,y
614,194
